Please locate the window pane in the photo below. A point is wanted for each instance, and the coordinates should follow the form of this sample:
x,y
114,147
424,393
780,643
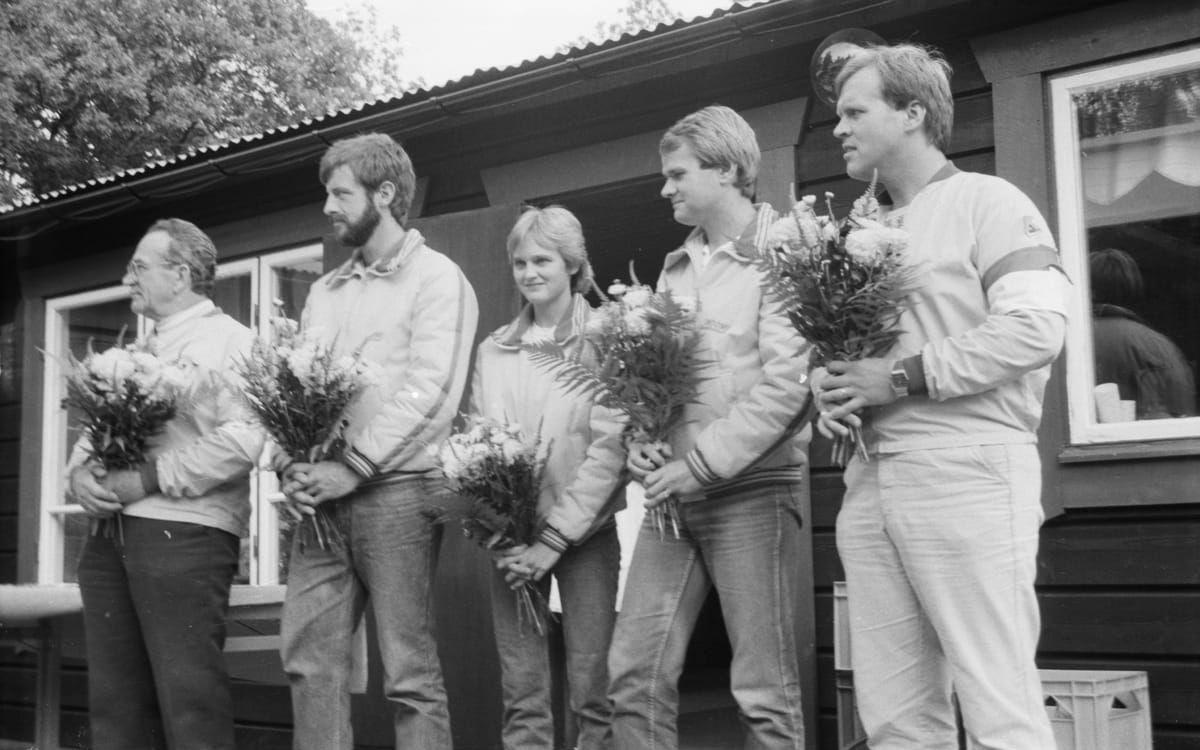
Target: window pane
x,y
1139,162
98,326
233,295
76,527
290,283
290,286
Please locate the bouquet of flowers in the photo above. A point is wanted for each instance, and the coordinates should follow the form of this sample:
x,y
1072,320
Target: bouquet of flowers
x,y
646,366
125,396
299,391
843,284
498,469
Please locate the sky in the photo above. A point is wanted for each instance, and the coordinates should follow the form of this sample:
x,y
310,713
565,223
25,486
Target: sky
x,y
447,39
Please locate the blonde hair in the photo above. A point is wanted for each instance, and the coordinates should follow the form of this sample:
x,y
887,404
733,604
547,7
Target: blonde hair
x,y
554,227
908,73
721,139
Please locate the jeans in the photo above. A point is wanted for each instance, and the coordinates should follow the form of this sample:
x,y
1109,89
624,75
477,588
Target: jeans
x,y
747,545
385,556
587,585
940,552
155,597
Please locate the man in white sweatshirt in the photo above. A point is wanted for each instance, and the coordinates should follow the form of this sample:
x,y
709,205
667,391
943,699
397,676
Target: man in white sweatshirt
x,y
155,578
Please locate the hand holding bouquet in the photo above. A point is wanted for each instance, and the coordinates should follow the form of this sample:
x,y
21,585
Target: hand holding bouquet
x,y
124,396
646,366
498,469
843,284
299,391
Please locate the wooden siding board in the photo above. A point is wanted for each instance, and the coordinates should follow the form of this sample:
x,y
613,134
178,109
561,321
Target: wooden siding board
x,y
1149,482
1131,622
10,421
1100,554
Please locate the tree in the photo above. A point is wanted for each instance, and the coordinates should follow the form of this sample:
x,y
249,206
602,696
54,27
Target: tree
x,y
636,16
88,87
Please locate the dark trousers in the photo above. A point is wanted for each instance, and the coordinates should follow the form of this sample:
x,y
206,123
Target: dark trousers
x,y
155,597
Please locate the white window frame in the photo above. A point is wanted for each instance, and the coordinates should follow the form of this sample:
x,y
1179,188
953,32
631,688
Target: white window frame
x,y
264,529
54,508
1084,429
264,560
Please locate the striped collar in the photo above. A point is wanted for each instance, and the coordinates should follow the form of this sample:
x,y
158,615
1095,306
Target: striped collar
x,y
570,326
947,171
745,248
392,261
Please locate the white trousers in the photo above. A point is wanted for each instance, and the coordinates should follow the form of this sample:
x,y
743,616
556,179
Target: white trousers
x,y
940,553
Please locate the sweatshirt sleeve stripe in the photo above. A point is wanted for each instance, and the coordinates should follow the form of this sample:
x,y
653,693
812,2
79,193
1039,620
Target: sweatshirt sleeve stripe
x,y
699,467
446,385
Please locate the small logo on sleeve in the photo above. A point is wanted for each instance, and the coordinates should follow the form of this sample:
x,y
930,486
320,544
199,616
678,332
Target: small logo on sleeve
x,y
1033,226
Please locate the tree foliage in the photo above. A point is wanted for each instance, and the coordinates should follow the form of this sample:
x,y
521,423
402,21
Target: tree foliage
x,y
91,86
637,15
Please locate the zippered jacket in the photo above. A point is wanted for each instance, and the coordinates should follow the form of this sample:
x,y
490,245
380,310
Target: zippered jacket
x,y
748,424
584,481
412,313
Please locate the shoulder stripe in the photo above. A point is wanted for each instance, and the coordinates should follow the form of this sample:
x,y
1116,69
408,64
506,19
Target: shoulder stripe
x,y
1036,258
446,386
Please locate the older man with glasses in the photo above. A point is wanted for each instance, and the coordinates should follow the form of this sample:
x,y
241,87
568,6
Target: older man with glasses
x,y
156,592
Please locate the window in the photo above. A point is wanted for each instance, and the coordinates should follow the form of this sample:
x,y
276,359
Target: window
x,y
1127,161
251,291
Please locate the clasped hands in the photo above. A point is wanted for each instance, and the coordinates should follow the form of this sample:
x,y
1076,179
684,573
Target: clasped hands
x,y
307,485
660,475
102,492
843,388
525,563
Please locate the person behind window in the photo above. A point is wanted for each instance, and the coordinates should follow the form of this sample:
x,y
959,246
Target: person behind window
x,y
410,311
734,463
1147,367
938,530
582,487
156,588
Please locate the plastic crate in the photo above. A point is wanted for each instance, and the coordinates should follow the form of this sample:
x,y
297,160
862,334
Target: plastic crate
x,y
1098,710
851,735
841,626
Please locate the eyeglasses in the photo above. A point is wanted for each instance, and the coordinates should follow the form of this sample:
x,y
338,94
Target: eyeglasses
x,y
136,268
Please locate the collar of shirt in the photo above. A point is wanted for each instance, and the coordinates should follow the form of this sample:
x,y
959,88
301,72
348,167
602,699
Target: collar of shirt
x,y
174,320
392,261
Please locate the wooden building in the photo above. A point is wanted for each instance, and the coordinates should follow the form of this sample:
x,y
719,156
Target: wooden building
x,y
1092,108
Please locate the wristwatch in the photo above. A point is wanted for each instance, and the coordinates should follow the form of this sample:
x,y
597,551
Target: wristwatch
x,y
899,379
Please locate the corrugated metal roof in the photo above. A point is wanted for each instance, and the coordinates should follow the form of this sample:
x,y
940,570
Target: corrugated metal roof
x,y
480,77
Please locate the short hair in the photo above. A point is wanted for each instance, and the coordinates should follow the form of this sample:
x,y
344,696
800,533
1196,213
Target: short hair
x,y
1115,278
375,158
554,227
911,72
721,139
191,248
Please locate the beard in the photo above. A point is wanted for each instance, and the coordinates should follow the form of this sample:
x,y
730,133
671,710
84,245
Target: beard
x,y
355,233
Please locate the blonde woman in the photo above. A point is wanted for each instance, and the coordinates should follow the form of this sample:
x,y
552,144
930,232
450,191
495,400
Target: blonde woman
x,y
582,488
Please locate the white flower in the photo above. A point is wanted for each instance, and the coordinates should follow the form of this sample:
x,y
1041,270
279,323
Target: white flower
x,y
783,233
596,325
112,366
638,296
829,229
869,246
512,450
636,322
